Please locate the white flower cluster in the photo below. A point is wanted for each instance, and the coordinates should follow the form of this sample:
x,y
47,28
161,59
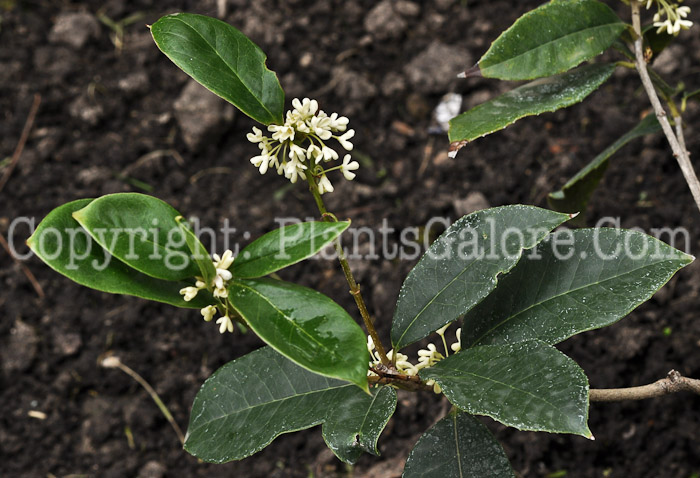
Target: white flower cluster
x,y
300,144
675,16
426,357
219,288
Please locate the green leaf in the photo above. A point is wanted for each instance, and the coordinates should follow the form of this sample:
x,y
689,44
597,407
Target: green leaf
x,y
223,60
458,445
247,403
67,248
355,424
305,326
552,39
285,246
140,231
576,193
199,253
540,96
656,41
462,266
577,281
529,386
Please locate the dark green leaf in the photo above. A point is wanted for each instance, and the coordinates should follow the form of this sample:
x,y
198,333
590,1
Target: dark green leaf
x,y
199,253
285,246
656,41
245,404
67,248
223,60
305,326
458,445
529,386
576,193
462,266
552,39
577,281
355,424
540,96
140,231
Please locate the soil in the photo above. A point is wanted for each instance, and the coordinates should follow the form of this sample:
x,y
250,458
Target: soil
x,y
109,122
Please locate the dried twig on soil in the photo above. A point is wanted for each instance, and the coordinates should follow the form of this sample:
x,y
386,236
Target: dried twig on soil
x,y
114,362
679,151
673,383
22,140
25,269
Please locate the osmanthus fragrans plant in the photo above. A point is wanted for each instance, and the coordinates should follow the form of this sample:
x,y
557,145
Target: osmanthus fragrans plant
x,y
511,282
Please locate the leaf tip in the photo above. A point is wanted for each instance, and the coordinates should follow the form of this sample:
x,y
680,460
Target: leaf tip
x,y
573,214
473,72
455,147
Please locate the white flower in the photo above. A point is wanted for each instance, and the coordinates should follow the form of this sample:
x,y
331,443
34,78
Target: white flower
x,y
343,140
261,162
324,185
428,357
225,261
321,127
457,346
436,387
338,123
347,167
189,293
208,313
281,133
225,324
256,136
329,153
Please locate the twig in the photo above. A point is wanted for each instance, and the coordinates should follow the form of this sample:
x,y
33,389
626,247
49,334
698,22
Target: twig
x,y
674,382
22,140
25,269
679,151
114,362
354,286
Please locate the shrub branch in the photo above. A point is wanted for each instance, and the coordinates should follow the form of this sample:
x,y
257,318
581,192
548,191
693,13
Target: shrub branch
x,y
673,383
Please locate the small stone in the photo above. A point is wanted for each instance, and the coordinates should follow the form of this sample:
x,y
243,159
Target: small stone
x,y
20,350
87,110
67,344
354,87
136,82
202,116
94,175
152,469
55,62
432,70
393,83
408,9
475,201
384,22
74,29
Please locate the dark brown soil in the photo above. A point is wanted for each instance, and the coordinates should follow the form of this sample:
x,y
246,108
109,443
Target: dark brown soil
x,y
103,109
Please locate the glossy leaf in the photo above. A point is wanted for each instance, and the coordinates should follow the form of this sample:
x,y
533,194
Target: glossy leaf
x,y
579,280
285,246
247,403
539,96
462,266
224,60
67,248
529,386
354,425
552,39
458,445
140,231
575,194
199,253
305,326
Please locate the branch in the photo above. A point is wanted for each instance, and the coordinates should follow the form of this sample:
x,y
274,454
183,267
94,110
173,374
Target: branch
x,y
673,383
22,140
679,152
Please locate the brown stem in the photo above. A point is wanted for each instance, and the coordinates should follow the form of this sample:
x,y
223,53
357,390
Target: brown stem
x,y
679,152
354,286
673,383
